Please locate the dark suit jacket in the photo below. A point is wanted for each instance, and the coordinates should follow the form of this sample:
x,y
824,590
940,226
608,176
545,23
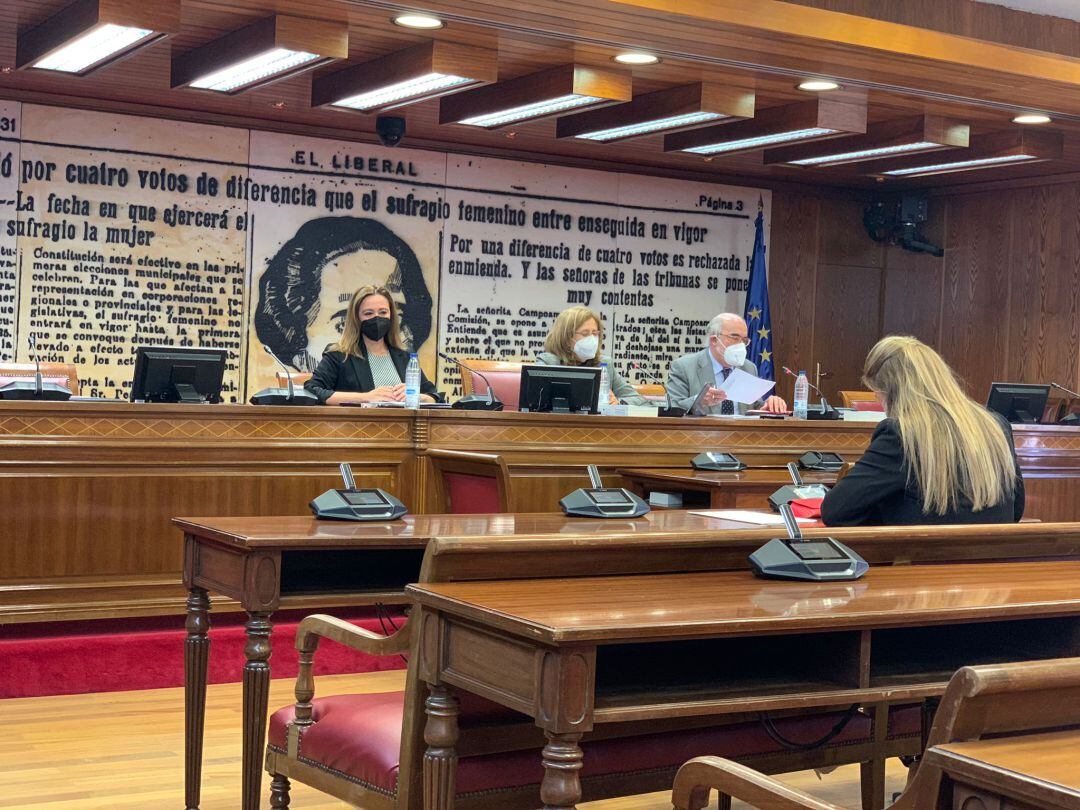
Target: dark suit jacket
x,y
340,372
876,492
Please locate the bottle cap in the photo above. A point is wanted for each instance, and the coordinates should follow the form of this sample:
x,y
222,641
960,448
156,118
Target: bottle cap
x,y
412,354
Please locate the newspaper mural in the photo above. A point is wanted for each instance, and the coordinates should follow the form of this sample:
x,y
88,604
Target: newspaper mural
x,y
118,231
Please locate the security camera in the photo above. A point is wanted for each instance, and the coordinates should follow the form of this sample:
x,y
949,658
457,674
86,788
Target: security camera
x,y
390,128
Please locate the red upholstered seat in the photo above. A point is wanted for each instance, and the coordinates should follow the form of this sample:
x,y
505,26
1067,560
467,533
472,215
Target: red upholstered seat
x,y
905,721
868,405
507,385
471,494
359,737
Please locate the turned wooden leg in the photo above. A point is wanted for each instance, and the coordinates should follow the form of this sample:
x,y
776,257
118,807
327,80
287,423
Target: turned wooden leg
x,y
561,788
256,688
196,656
723,802
279,791
440,759
872,778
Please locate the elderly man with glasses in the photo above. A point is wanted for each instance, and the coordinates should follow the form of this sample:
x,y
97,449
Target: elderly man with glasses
x,y
726,349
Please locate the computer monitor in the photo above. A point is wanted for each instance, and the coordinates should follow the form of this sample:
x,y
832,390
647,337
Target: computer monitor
x,y
177,374
1018,402
559,389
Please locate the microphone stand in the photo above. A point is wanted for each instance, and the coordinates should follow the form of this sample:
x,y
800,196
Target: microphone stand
x,y
283,396
827,412
1069,418
38,388
475,402
670,410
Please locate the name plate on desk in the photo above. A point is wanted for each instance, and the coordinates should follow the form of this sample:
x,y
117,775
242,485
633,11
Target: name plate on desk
x,y
629,410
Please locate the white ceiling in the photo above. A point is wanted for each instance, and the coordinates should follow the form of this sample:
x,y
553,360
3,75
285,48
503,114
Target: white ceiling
x,y
1069,9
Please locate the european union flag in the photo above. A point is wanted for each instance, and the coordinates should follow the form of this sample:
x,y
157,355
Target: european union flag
x,y
757,306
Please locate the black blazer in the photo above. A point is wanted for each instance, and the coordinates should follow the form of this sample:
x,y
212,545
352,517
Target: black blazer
x,y
875,492
341,372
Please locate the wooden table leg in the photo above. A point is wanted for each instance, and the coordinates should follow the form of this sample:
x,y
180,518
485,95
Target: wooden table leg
x,y
561,788
440,759
256,688
196,656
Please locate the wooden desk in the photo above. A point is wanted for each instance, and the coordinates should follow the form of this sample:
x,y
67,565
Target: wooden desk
x,y
552,650
90,488
1013,773
747,489
268,563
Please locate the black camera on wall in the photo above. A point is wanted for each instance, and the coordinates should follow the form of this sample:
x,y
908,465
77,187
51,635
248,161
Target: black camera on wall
x,y
390,129
897,221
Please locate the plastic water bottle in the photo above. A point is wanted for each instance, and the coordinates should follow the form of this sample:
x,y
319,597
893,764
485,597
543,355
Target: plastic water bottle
x,y
412,383
604,399
802,395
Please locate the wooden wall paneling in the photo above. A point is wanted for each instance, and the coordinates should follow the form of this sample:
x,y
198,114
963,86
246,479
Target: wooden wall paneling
x,y
975,303
1044,278
843,238
846,313
792,262
912,285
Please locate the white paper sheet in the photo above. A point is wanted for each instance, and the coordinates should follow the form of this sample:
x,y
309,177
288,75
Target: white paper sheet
x,y
746,388
746,516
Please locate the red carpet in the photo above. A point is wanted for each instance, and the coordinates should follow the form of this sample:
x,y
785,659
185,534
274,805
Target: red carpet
x,y
116,655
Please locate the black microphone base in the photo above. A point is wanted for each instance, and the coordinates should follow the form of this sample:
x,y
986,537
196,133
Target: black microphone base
x,y
672,412
829,415
280,396
477,402
51,392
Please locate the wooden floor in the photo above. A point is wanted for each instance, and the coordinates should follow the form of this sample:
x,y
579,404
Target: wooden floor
x,y
125,750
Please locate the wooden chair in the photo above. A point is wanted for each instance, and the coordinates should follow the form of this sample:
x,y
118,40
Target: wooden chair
x,y
860,401
652,392
470,483
991,700
505,377
298,378
66,373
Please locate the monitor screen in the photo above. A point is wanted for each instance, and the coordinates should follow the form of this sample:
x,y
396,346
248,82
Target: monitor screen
x,y
1018,402
362,498
559,389
811,550
608,496
177,374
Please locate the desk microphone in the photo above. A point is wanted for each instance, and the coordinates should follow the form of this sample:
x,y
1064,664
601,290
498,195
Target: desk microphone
x,y
38,389
283,396
827,411
474,402
1069,418
670,410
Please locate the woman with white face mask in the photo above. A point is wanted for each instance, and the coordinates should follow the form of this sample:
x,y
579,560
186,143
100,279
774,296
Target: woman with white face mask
x,y
575,339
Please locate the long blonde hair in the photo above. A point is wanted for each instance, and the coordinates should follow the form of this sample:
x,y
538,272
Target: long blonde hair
x,y
954,447
560,340
351,341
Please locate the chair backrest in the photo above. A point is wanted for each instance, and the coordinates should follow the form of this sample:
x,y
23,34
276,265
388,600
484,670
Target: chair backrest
x,y
862,405
470,483
652,392
853,399
1054,409
298,378
52,371
505,376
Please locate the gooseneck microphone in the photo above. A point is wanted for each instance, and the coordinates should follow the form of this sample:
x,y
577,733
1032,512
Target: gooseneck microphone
x,y
475,402
670,410
285,368
38,379
1068,391
827,410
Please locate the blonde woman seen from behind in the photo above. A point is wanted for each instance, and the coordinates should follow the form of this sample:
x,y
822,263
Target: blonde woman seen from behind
x,y
575,339
938,457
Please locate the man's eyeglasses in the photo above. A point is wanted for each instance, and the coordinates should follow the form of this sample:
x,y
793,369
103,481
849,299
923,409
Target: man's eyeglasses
x,y
733,338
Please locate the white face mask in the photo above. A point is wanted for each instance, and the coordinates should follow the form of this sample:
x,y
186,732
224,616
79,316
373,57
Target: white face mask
x,y
735,354
585,348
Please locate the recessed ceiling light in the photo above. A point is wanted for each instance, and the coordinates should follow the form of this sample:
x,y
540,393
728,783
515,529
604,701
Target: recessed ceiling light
x,y
424,21
1032,118
818,85
637,58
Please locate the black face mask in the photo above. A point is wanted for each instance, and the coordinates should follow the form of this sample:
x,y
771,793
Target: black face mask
x,y
375,328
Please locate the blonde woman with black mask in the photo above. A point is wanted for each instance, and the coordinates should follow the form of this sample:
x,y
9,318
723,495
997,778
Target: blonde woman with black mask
x,y
576,339
938,457
368,362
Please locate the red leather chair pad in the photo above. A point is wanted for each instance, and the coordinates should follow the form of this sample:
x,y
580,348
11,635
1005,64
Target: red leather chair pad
x,y
360,736
472,494
507,385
